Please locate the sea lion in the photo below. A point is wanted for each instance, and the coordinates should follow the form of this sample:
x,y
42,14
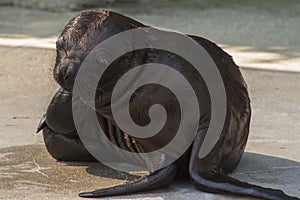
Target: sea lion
x,y
208,174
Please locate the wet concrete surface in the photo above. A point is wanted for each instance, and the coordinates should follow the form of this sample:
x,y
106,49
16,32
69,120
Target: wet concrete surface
x,y
272,157
27,171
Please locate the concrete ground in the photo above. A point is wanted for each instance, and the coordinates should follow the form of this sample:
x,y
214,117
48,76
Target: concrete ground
x,y
266,46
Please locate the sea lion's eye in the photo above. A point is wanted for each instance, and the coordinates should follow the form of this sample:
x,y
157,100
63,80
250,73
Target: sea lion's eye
x,y
61,45
65,51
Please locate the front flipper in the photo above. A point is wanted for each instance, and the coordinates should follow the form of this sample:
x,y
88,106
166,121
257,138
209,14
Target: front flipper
x,y
153,181
208,178
66,147
59,132
59,116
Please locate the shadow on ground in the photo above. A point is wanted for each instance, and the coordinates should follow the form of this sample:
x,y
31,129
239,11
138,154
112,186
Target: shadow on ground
x,y
27,168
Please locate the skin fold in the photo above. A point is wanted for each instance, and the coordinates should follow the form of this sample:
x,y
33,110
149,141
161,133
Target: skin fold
x,y
208,174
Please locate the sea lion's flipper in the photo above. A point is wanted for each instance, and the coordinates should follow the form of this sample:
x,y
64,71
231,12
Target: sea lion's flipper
x,y
209,179
153,181
66,147
59,116
60,136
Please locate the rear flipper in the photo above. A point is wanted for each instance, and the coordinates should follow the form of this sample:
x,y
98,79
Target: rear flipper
x,y
208,179
153,181
221,183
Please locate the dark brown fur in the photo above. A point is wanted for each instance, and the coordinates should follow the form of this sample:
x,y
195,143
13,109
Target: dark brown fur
x,y
90,28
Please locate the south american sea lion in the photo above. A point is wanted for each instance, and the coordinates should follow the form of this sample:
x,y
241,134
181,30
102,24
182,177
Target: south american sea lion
x,y
208,174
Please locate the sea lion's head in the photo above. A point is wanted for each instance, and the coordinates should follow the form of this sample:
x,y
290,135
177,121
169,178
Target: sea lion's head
x,y
80,36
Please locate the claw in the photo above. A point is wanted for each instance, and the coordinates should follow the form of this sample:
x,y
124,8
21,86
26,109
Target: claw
x,y
42,124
